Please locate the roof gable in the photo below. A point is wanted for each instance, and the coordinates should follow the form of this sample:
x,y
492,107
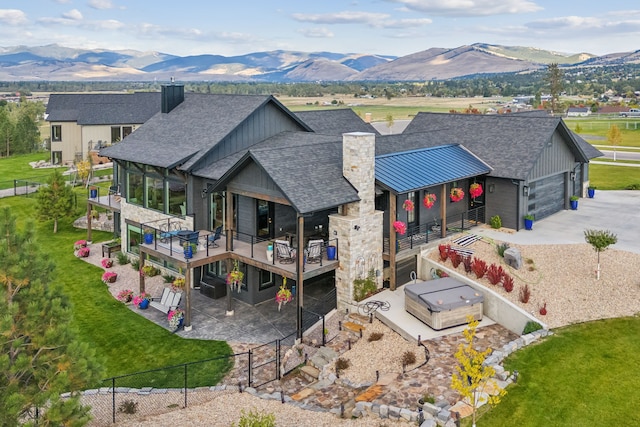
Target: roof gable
x,y
103,109
335,121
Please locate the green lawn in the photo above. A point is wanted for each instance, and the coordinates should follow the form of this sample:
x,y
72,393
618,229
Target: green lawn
x,y
125,341
584,375
606,177
17,167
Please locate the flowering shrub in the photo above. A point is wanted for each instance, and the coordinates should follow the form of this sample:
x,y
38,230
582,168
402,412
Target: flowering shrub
x,y
139,298
283,295
83,252
80,244
400,227
407,205
125,295
109,277
178,284
429,200
174,317
475,190
107,262
456,194
149,271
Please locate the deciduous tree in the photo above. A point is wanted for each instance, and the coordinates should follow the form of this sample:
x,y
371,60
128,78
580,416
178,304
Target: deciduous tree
x,y
614,137
600,240
472,377
40,356
55,200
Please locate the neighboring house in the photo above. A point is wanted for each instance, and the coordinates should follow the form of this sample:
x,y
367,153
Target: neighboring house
x,y
260,173
81,123
578,111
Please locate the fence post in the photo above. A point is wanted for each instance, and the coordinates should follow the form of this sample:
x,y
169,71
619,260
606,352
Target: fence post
x,y
113,398
15,187
185,385
278,347
249,367
324,336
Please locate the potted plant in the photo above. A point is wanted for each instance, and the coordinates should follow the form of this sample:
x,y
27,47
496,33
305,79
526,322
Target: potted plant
x,y
528,222
125,296
591,191
189,249
574,202
142,301
148,236
79,244
109,277
175,318
107,262
283,295
83,252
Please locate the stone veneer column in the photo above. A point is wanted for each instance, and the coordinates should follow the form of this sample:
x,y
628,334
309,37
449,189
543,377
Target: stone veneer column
x,y
357,226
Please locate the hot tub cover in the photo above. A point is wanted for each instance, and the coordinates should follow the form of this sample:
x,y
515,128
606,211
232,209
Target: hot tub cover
x,y
443,294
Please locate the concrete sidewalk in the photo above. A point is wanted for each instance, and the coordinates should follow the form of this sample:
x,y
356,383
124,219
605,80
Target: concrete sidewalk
x,y
616,211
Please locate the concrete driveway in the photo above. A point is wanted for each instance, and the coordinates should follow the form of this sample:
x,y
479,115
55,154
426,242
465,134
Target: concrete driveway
x,y
616,211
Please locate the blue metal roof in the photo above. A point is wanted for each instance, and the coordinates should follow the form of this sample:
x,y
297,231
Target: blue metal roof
x,y
417,169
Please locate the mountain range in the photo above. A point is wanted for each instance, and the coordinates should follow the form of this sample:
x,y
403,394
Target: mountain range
x,y
59,63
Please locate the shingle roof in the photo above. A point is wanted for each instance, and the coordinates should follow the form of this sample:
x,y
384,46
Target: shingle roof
x,y
103,109
335,121
189,131
510,143
417,169
308,172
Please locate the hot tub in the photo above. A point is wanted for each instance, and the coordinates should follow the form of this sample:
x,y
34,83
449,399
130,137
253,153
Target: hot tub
x,y
443,303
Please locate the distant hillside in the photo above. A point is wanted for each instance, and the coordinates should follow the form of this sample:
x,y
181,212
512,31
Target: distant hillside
x,y
59,63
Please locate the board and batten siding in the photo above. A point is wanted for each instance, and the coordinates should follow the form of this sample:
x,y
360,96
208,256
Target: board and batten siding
x,y
502,199
262,124
556,157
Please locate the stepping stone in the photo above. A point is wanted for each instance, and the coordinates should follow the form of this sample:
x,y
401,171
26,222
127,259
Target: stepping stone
x,y
350,326
370,394
310,373
462,408
303,394
386,379
359,317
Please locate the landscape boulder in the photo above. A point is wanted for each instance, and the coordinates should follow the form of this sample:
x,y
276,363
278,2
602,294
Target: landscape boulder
x,y
513,258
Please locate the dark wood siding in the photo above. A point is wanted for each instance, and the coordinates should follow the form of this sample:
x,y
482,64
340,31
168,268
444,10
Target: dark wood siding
x,y
404,269
254,179
245,218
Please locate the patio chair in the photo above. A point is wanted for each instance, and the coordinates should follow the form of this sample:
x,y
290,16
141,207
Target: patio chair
x,y
168,301
314,251
285,253
211,241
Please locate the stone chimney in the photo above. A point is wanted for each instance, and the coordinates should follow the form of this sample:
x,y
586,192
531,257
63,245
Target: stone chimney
x,y
172,96
358,166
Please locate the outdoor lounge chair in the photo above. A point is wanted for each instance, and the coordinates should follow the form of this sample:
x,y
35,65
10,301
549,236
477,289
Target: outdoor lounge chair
x,y
211,241
314,251
285,253
168,301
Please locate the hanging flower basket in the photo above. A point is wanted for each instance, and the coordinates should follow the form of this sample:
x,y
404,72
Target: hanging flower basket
x,y
283,296
407,205
456,194
234,277
429,200
400,227
475,190
178,284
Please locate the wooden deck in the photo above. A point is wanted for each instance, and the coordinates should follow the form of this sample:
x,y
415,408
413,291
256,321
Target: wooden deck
x,y
252,254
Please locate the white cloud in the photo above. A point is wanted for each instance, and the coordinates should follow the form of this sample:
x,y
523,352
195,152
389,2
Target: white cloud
x,y
12,17
469,7
101,4
318,33
374,20
73,14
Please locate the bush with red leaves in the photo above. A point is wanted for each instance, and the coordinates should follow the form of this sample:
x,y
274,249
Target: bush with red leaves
x,y
479,267
507,282
494,274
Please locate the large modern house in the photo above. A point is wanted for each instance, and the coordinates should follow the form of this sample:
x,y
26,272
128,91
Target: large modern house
x,y
320,196
82,123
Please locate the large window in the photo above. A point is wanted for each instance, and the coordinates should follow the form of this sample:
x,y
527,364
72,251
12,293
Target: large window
x,y
177,198
155,193
116,134
134,188
56,133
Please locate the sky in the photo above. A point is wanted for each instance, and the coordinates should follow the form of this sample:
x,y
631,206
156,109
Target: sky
x,y
385,27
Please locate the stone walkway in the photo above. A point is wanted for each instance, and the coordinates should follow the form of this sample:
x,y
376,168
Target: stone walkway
x,y
394,390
